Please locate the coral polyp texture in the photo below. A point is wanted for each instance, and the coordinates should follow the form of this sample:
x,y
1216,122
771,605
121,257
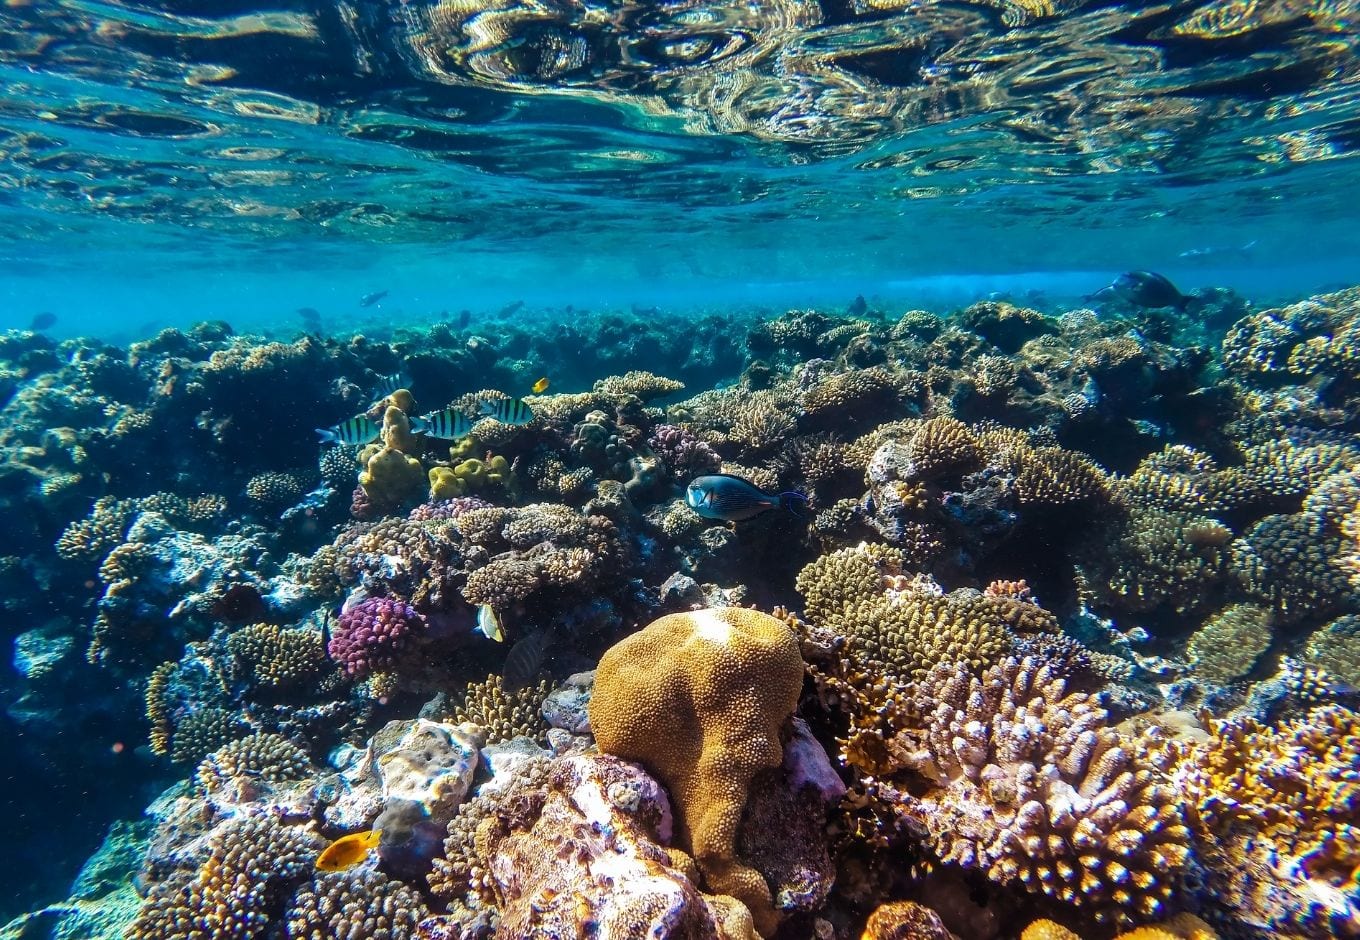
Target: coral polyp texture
x,y
1064,623
699,698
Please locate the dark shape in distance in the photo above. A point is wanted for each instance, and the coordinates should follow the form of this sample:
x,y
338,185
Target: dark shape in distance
x,y
1144,289
512,308
43,321
525,659
732,499
310,316
858,307
369,300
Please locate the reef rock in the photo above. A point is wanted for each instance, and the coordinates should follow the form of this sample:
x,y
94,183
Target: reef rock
x,y
593,853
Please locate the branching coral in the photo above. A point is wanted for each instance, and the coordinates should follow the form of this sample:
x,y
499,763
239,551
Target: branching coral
x,y
268,757
503,714
905,625
1277,810
370,634
251,865
1228,644
1012,775
272,657
638,384
355,905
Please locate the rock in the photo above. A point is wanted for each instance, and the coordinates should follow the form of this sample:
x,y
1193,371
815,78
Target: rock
x,y
565,707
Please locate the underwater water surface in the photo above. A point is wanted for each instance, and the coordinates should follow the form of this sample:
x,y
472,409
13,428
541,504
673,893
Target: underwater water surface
x,y
433,434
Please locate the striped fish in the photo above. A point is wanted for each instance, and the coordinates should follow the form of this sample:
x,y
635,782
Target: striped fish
x,y
507,411
449,424
388,384
359,429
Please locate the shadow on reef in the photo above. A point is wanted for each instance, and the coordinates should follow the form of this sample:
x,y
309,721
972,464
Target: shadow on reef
x,y
397,634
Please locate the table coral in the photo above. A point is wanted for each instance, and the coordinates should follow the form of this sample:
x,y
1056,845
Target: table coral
x,y
700,698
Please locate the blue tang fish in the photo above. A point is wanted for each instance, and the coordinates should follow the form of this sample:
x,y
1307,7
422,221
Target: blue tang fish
x,y
732,499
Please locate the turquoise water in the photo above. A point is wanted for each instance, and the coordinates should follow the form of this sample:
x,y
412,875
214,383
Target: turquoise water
x,y
482,192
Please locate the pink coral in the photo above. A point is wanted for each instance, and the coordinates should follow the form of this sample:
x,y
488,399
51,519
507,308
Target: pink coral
x,y
369,635
685,454
441,509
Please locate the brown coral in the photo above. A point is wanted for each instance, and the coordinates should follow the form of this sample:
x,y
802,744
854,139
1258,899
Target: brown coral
x,y
503,714
1228,644
272,657
355,904
268,757
700,698
1024,781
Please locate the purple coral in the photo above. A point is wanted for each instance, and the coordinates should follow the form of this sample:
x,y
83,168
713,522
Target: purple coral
x,y
685,454
369,635
446,508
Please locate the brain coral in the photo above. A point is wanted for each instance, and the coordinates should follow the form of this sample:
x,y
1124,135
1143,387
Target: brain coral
x,y
252,862
1024,781
699,698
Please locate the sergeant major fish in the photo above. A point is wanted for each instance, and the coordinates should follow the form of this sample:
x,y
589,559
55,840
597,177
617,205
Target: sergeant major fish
x,y
732,499
359,429
449,424
507,411
387,384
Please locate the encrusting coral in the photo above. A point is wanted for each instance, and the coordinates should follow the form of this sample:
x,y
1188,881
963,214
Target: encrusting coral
x,y
699,699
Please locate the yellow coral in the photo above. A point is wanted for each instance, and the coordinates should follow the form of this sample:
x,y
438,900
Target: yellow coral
x,y
390,476
1180,927
904,920
468,476
700,698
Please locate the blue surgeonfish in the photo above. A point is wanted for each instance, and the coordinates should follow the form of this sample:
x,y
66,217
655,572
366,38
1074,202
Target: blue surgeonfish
x,y
732,499
359,429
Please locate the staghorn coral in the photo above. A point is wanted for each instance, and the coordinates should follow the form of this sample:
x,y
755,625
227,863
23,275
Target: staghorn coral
x,y
1012,775
761,425
1228,644
682,452
268,757
270,656
370,634
252,863
905,626
354,905
503,714
699,698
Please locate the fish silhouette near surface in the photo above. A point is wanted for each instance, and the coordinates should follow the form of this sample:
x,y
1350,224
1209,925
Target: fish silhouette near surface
x,y
731,499
369,300
360,429
348,851
1143,289
43,321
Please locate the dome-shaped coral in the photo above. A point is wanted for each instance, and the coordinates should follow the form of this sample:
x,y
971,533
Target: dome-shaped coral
x,y
369,635
699,698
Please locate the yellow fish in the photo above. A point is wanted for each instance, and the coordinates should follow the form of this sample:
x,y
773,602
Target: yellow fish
x,y
541,386
347,851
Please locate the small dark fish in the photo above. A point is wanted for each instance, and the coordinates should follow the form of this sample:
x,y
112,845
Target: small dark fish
x,y
388,384
511,309
732,499
309,314
359,429
1145,289
43,321
464,318
369,300
858,307
449,424
507,411
525,659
